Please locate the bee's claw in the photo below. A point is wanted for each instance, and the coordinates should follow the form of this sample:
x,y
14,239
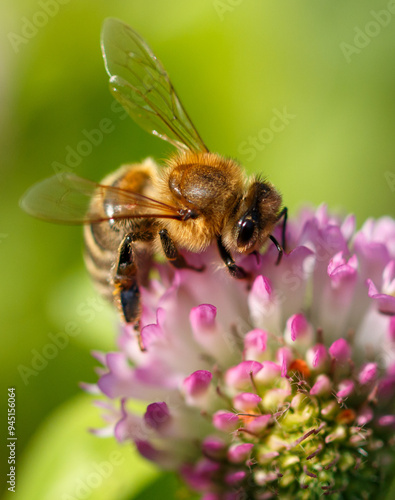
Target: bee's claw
x,y
197,269
141,343
136,328
279,249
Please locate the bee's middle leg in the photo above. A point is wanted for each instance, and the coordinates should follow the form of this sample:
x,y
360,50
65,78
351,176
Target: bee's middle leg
x,y
172,254
234,270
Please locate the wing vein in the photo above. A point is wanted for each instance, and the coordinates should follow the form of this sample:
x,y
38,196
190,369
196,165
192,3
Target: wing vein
x,y
137,75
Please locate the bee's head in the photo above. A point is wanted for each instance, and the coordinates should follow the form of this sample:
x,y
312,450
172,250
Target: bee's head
x,y
253,218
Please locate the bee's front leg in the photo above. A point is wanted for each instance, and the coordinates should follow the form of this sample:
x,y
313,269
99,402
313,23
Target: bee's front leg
x,y
126,284
235,270
281,248
283,214
172,254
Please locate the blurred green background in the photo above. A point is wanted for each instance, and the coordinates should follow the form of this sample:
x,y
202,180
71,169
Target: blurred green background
x,y
236,64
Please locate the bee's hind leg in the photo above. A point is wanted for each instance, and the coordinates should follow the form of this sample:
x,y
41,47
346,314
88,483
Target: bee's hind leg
x,y
172,254
126,285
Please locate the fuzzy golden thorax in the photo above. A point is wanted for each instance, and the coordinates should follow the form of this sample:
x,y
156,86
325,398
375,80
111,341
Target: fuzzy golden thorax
x,y
208,185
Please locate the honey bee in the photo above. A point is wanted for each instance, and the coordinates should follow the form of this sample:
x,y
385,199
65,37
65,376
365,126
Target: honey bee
x,y
198,197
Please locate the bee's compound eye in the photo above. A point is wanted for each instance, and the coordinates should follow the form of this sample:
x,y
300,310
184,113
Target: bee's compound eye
x,y
246,232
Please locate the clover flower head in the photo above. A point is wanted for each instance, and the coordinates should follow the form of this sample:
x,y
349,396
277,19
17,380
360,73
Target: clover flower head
x,y
281,385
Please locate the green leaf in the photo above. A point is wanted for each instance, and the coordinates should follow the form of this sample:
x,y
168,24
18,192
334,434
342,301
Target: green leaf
x,y
74,300
167,486
64,461
391,492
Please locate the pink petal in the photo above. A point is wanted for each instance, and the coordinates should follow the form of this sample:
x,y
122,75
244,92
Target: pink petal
x,y
246,401
225,421
258,424
214,447
298,326
162,458
348,227
391,329
389,278
346,387
284,357
340,350
339,270
261,288
262,303
268,374
117,381
157,416
368,374
317,357
386,389
387,421
385,303
365,415
203,318
197,383
255,343
90,388
239,376
239,453
234,478
209,333
323,385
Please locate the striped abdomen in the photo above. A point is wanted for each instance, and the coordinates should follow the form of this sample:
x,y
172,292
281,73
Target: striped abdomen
x,y
102,240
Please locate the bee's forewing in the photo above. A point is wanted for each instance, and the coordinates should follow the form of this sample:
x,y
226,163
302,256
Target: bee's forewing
x,y
141,84
69,199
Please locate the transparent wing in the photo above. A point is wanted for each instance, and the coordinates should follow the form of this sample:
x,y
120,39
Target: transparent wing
x,y
141,84
69,199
